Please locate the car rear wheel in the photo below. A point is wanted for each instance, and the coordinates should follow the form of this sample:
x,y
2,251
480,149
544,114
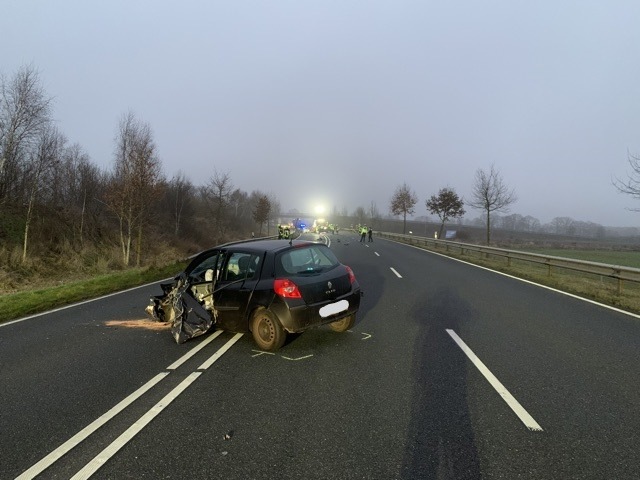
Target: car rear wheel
x,y
343,324
267,331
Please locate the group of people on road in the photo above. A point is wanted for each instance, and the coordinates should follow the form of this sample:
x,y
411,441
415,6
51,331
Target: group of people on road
x,y
363,233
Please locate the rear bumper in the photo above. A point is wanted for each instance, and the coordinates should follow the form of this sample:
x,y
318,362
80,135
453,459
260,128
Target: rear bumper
x,y
297,318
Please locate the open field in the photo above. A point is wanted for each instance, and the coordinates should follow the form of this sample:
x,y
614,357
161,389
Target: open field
x,y
610,257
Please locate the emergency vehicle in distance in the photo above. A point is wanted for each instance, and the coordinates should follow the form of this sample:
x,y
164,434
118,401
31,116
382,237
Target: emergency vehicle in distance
x,y
320,225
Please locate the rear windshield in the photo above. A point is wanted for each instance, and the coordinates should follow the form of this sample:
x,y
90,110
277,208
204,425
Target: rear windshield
x,y
305,260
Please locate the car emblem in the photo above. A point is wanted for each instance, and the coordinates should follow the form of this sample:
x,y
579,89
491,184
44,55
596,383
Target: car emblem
x,y
330,289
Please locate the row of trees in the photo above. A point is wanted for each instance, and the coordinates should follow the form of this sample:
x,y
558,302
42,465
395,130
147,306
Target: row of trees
x,y
54,199
490,194
565,226
557,226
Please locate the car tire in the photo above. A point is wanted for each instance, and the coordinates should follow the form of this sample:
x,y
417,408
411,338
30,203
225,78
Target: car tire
x,y
267,331
343,324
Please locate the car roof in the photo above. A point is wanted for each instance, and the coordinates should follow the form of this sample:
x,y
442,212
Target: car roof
x,y
267,245
256,246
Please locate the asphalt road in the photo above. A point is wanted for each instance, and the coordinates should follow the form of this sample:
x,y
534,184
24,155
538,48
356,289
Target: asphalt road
x,y
452,372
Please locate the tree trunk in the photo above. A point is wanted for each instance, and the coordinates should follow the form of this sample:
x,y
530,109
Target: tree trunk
x,y
488,228
125,241
139,245
26,232
178,211
84,205
27,224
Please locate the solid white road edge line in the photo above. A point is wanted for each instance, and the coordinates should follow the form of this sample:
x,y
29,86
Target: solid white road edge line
x,y
88,430
194,350
524,416
577,297
394,271
100,459
220,352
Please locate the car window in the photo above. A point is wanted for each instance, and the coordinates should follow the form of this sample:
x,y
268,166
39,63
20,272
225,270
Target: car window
x,y
311,259
241,266
210,263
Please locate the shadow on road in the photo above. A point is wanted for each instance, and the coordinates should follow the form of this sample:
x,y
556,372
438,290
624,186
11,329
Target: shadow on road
x,y
440,440
372,285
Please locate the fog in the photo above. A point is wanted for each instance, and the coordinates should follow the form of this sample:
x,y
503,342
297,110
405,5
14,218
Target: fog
x,y
337,103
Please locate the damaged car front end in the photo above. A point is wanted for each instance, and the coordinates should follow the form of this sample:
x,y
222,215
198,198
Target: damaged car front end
x,y
267,287
182,311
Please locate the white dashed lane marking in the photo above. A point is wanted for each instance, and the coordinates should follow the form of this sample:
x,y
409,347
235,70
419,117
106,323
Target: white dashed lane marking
x,y
396,272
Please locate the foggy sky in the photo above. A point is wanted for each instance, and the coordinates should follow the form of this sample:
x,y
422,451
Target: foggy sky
x,y
340,102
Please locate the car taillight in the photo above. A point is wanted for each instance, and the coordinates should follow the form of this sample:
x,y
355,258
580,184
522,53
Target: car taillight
x,y
352,277
286,288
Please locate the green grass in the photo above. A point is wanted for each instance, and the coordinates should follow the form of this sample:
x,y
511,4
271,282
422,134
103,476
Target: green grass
x,y
24,303
611,257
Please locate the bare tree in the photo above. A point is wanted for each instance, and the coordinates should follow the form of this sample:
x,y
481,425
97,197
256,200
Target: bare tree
x,y
631,184
361,215
239,201
563,226
374,214
91,182
510,222
520,223
261,210
180,191
403,203
531,224
275,210
24,114
491,194
42,162
588,229
446,205
217,193
74,186
135,181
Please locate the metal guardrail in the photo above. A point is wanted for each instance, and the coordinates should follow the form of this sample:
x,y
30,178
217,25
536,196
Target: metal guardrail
x,y
618,272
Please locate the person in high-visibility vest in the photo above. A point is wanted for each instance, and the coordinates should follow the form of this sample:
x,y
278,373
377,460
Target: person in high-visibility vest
x,y
363,233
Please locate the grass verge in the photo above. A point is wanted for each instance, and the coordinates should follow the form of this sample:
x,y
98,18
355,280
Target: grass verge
x,y
627,258
17,305
598,288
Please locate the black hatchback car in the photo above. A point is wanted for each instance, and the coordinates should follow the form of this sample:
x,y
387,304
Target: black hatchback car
x,y
266,287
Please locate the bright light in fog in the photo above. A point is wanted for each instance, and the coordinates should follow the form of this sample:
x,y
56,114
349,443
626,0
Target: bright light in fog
x,y
319,209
